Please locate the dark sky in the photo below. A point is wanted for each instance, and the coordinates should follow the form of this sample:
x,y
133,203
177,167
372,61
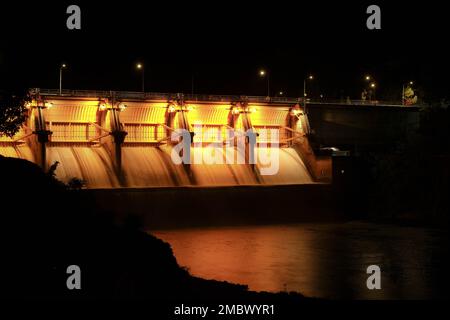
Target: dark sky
x,y
223,44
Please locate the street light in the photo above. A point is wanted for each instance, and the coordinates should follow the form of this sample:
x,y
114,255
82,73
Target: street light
x,y
140,66
264,73
63,66
122,106
310,77
373,86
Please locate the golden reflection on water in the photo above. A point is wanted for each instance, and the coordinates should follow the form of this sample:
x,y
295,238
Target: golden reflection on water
x,y
313,259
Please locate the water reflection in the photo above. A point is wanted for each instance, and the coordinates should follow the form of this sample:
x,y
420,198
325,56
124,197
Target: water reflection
x,y
319,260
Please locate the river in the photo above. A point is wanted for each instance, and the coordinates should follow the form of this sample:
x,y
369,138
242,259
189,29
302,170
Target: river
x,y
318,260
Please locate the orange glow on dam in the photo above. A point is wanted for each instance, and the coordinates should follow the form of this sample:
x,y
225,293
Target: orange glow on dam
x,y
119,140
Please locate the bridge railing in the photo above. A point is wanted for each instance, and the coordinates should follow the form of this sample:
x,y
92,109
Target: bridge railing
x,y
358,102
204,97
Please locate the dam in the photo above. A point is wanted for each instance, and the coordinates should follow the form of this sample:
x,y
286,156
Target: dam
x,y
121,146
123,139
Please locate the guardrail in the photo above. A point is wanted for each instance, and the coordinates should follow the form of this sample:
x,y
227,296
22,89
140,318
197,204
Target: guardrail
x,y
202,97
159,95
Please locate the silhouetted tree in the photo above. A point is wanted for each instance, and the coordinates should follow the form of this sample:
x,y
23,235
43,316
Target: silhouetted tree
x,y
12,111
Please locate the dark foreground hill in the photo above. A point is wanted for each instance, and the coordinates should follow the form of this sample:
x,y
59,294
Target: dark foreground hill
x,y
45,228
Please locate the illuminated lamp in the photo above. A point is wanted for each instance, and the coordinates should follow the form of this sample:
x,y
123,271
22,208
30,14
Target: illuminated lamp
x,y
235,110
295,112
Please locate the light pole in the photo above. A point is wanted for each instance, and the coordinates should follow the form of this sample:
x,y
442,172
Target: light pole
x,y
310,77
264,73
63,66
409,84
140,67
373,86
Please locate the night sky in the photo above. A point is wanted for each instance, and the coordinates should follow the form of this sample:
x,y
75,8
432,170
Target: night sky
x,y
224,44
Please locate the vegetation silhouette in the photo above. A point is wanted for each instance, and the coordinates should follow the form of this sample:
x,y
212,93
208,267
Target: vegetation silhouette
x,y
12,111
48,227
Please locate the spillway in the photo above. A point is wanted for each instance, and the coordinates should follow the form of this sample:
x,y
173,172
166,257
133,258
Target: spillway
x,y
16,148
124,140
291,168
90,164
206,172
146,166
16,151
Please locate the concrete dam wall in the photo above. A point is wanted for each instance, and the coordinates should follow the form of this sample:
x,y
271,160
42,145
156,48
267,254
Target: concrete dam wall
x,y
118,140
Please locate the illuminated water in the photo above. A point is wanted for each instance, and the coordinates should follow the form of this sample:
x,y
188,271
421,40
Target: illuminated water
x,y
146,166
17,151
153,167
91,164
318,260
